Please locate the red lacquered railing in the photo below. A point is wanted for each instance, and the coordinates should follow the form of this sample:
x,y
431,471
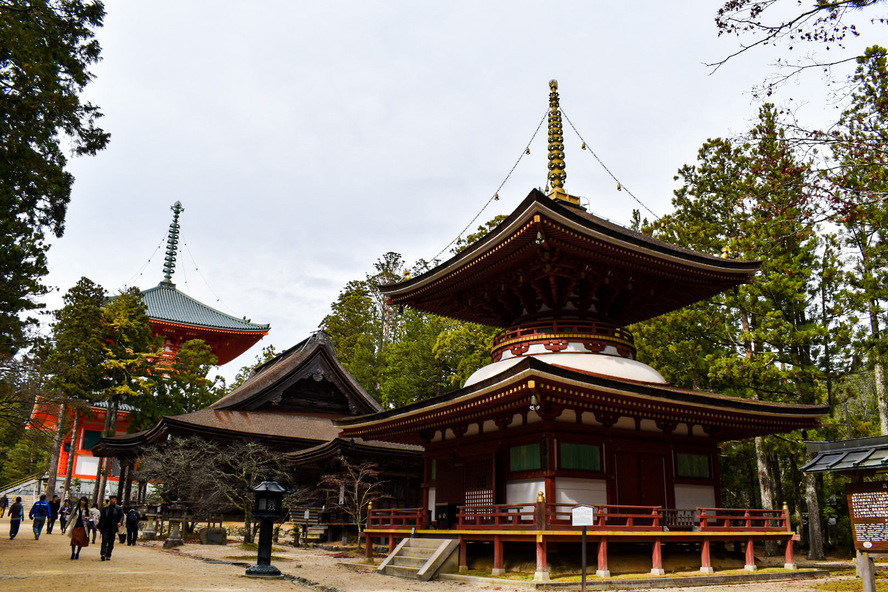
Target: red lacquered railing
x,y
403,517
498,516
743,519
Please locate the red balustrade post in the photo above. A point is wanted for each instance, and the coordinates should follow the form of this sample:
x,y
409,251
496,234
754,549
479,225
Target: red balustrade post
x,y
542,568
602,571
748,517
498,562
657,559
705,562
790,555
750,555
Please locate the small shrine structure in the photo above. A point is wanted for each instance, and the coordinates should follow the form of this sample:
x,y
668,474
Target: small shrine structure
x,y
565,415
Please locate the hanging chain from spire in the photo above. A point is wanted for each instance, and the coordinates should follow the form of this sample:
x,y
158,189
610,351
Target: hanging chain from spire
x,y
169,264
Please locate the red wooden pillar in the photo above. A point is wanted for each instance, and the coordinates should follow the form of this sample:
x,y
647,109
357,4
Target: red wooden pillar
x,y
750,555
705,563
368,546
790,555
542,570
463,556
602,571
657,559
391,543
498,561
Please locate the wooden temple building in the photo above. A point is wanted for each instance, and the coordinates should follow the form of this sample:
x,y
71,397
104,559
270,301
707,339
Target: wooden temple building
x,y
289,404
565,416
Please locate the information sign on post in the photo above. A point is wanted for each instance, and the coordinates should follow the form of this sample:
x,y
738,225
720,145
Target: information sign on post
x,y
583,516
868,503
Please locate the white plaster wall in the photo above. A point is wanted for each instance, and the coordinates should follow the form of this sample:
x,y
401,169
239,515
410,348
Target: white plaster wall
x,y
694,496
86,465
524,492
592,492
432,494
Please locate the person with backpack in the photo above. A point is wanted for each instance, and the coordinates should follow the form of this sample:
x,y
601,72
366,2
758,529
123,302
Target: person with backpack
x,y
39,513
132,526
16,515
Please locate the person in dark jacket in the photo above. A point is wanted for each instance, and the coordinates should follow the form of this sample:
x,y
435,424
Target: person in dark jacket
x,y
4,503
110,519
16,515
132,526
64,513
54,506
39,513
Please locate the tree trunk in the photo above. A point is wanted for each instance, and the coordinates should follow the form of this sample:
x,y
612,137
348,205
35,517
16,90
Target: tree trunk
x,y
57,440
815,524
72,454
97,498
766,485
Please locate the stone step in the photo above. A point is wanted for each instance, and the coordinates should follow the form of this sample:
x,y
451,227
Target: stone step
x,y
401,572
402,561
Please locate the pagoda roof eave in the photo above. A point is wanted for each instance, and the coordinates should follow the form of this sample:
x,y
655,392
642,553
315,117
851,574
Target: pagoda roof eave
x,y
166,304
507,391
536,203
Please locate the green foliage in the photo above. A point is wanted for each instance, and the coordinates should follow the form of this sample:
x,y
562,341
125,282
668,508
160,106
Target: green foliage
x,y
180,386
75,361
45,48
398,355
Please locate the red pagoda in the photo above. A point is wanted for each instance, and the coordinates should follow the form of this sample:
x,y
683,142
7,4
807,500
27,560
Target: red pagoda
x,y
178,317
565,417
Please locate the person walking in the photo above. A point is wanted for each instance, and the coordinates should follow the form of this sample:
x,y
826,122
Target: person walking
x,y
64,513
110,519
39,513
16,515
79,520
93,524
54,506
132,526
4,503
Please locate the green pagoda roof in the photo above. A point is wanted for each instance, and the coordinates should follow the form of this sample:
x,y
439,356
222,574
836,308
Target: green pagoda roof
x,y
167,304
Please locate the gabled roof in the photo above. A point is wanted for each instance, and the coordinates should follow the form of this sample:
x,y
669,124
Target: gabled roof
x,y
313,359
652,277
167,304
556,388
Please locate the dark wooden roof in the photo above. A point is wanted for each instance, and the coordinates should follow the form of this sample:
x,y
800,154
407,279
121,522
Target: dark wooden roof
x,y
503,396
548,259
288,404
859,456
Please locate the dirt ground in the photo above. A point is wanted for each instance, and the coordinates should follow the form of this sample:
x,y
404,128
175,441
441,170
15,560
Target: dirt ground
x,y
29,565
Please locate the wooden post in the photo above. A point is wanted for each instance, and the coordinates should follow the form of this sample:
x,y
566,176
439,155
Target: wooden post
x,y
498,562
602,571
463,556
368,546
866,571
705,563
391,543
542,568
790,556
657,559
750,556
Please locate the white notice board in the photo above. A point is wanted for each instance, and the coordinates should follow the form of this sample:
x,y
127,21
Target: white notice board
x,y
583,516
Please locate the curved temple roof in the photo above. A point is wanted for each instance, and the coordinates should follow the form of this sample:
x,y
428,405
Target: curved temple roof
x,y
166,303
576,263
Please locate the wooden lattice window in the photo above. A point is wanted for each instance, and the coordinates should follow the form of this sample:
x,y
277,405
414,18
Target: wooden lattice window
x,y
479,483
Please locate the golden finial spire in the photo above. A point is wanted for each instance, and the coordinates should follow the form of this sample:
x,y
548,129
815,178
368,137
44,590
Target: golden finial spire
x,y
557,174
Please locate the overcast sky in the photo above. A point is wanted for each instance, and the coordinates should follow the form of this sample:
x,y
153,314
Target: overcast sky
x,y
306,139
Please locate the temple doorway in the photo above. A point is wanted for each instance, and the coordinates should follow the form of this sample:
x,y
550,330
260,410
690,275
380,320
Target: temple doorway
x,y
641,479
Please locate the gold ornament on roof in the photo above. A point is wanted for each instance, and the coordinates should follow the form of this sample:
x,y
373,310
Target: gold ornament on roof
x,y
557,174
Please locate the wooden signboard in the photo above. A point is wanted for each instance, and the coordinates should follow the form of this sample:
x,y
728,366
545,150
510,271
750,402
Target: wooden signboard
x,y
868,504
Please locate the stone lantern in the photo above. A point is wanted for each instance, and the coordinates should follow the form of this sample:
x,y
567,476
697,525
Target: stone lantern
x,y
268,509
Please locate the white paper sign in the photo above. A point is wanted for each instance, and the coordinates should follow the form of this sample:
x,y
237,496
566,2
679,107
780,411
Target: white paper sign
x,y
583,516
